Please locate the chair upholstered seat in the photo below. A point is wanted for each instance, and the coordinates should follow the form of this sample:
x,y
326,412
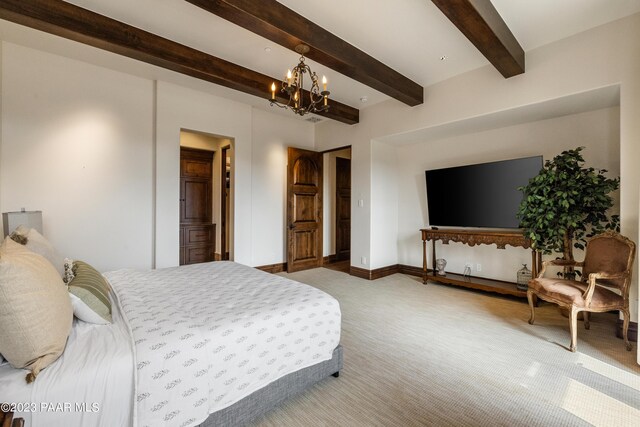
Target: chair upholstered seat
x,y
570,292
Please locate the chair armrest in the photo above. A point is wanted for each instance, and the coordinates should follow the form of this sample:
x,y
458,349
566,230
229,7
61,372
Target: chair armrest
x,y
558,263
603,275
594,277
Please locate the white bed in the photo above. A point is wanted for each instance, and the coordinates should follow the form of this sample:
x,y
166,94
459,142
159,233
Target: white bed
x,y
200,337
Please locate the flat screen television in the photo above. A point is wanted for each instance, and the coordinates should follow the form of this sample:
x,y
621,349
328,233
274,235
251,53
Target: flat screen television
x,y
480,195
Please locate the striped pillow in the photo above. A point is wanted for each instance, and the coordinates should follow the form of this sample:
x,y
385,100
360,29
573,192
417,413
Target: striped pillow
x,y
90,295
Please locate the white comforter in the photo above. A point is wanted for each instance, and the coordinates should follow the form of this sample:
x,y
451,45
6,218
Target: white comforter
x,y
207,335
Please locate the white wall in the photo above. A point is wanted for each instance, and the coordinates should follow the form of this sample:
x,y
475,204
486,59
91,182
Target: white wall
x,y
77,144
260,141
98,152
329,136
182,108
385,171
329,199
272,134
202,141
598,131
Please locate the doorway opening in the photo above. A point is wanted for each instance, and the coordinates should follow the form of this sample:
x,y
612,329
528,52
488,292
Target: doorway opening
x,y
337,209
225,201
206,197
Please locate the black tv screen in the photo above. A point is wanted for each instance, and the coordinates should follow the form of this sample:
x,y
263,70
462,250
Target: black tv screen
x,y
481,195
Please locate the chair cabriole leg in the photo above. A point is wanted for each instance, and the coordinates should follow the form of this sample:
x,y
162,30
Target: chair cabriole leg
x,y
625,328
573,325
533,313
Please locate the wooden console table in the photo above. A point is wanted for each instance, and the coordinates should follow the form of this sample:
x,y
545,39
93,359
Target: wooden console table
x,y
472,238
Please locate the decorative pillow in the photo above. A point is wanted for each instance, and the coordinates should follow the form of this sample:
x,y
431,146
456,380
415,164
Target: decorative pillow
x,y
35,311
37,243
69,271
19,235
18,238
91,292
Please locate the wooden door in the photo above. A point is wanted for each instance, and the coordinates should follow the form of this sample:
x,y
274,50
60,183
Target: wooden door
x,y
197,233
343,208
225,188
304,210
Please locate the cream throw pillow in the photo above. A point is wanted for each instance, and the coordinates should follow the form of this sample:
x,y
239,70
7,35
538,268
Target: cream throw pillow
x,y
35,310
37,243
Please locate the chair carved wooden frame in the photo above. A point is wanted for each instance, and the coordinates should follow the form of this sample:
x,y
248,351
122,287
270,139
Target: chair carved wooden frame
x,y
608,264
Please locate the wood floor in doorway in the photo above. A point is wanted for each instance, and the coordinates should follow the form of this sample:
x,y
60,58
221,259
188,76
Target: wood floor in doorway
x,y
342,266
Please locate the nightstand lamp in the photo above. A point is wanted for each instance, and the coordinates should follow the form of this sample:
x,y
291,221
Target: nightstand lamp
x,y
30,219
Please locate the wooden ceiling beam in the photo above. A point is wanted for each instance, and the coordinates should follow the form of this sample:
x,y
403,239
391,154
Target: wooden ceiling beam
x,y
75,23
481,23
276,22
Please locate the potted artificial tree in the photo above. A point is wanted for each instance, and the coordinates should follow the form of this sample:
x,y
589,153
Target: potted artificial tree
x,y
565,204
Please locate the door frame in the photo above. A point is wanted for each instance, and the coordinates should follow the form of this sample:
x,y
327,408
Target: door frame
x,y
322,228
344,147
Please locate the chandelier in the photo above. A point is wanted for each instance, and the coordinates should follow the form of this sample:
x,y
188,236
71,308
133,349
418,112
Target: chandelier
x,y
293,85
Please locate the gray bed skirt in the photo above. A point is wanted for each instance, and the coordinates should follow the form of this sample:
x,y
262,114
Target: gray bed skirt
x,y
267,398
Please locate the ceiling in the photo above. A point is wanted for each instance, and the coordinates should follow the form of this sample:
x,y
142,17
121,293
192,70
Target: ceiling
x,y
603,97
410,36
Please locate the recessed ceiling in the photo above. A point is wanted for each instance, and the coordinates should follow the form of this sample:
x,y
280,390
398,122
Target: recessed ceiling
x,y
604,97
410,36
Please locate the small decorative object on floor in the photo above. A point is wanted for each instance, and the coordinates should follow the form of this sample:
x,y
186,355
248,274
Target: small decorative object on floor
x,y
524,275
441,263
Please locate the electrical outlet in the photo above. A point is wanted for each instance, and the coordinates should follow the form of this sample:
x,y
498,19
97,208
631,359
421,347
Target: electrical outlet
x,y
363,260
468,265
478,267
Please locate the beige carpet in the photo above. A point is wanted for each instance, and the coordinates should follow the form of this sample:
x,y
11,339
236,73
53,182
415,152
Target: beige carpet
x,y
439,355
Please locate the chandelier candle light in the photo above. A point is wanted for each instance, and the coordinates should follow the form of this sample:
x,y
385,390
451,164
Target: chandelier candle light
x,y
293,84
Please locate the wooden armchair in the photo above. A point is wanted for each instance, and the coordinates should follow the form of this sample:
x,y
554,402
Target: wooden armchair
x,y
607,265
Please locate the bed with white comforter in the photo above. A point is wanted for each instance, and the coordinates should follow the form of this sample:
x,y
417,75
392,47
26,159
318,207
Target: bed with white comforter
x,y
185,342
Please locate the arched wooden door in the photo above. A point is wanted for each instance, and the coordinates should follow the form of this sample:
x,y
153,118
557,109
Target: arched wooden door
x,y
304,209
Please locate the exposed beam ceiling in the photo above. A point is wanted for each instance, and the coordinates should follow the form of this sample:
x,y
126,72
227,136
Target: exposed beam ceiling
x,y
481,23
81,25
282,25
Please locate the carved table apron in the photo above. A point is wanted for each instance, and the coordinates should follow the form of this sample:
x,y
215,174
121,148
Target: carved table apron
x,y
472,238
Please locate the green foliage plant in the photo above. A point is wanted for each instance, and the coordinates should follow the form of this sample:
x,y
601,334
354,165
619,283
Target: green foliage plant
x,y
566,203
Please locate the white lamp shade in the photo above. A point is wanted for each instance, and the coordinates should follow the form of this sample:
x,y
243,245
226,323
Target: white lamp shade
x,y
30,219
